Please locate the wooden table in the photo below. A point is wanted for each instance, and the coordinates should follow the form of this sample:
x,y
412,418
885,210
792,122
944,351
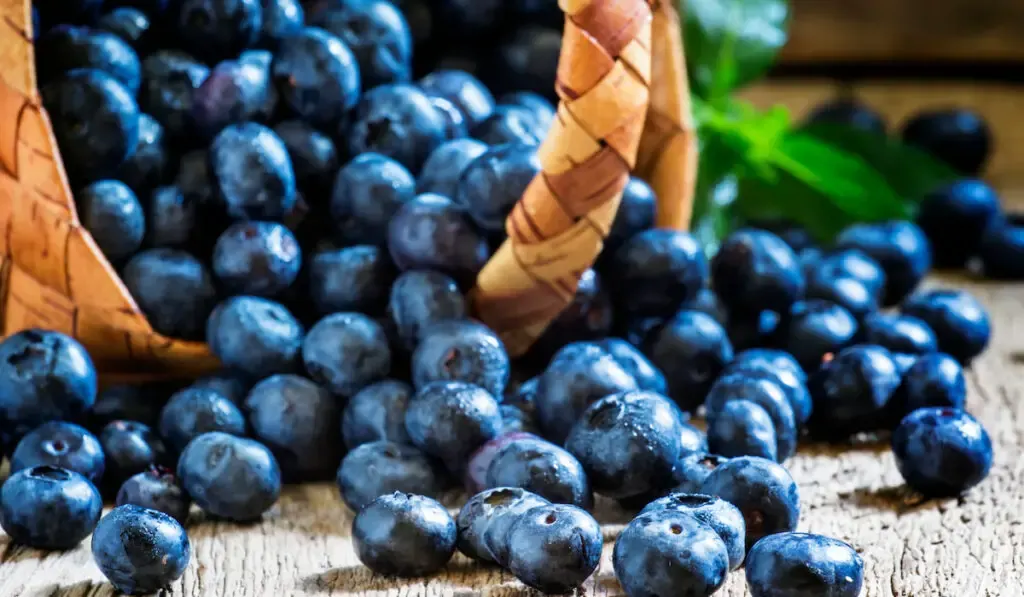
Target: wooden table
x,y
967,547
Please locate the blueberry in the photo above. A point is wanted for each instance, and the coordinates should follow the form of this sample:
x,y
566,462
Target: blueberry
x,y
510,125
706,301
156,489
346,352
352,279
1002,250
113,216
281,19
754,271
402,534
317,76
379,468
636,214
762,490
454,120
579,375
134,402
517,419
742,428
693,469
95,120
959,321
691,439
446,164
852,390
173,289
252,172
543,111
753,331
256,258
234,92
62,445
902,250
850,263
147,168
647,375
254,336
140,550
486,518
377,413
692,349
218,29
528,60
193,178
230,477
368,191
783,369
798,564
956,136
449,420
934,380
764,389
668,552
540,467
475,476
813,329
132,25
850,113
432,232
259,63
314,156
130,448
397,120
587,317
172,219
899,333
955,217
47,507
194,411
491,184
378,35
554,548
628,443
169,82
229,384
655,271
44,376
847,292
942,451
724,518
779,361
461,350
66,48
463,89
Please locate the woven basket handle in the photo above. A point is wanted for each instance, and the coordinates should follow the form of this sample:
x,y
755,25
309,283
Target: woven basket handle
x,y
624,105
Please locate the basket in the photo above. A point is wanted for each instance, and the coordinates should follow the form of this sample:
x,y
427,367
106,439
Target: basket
x,y
624,106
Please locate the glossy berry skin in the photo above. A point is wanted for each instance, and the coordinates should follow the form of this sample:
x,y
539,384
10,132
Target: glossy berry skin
x,y
113,216
804,565
215,30
173,289
762,490
252,173
628,443
901,248
230,477
742,428
706,301
655,271
421,298
461,351
281,19
782,368
763,389
66,48
44,376
377,34
314,156
61,445
95,120
692,469
156,489
475,476
955,218
235,91
367,192
849,293
579,375
345,352
130,402
852,390
510,125
444,167
957,136
554,548
647,375
149,166
543,111
636,214
402,534
486,518
317,76
899,333
960,322
432,232
490,185
355,278
755,271
666,552
813,329
231,384
255,336
172,219
769,358
720,515
170,79
377,413
192,412
449,420
1002,251
934,380
130,448
692,349
399,121
454,119
256,258
47,507
942,452
380,468
543,468
469,95
848,112
140,550
851,263
133,26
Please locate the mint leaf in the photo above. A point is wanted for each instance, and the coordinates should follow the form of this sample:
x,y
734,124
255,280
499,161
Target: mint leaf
x,y
730,43
787,198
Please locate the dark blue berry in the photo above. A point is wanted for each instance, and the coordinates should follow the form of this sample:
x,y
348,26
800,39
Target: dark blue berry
x,y
252,172
899,333
261,62
281,19
636,214
691,439
444,167
62,445
66,48
346,352
724,518
942,451
485,520
955,217
692,469
433,232
449,420
356,278
847,292
647,375
656,271
762,490
420,298
813,329
47,507
801,564
377,413
540,467
510,125
194,411
461,350
667,552
173,289
255,336
131,25
397,120
215,30
172,218
193,178
850,263
543,111
773,359
492,184
317,76
402,534
378,35
468,94
475,475
935,380
852,390
169,82
149,167
706,301
587,317
140,550
956,136
742,428
130,448
114,218
782,368
314,156
156,489
554,548
368,191
229,384
234,92
756,271
230,477
1002,250
961,323
379,468
454,119
95,120
850,113
528,60
764,389
691,349
902,250
133,402
256,258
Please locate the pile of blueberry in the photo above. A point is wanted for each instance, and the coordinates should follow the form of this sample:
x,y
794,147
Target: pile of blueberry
x,y
267,177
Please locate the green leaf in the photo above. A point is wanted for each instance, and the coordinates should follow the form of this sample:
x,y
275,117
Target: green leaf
x,y
730,43
786,197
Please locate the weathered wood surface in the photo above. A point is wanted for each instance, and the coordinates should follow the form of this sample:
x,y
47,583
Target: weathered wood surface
x,y
967,547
